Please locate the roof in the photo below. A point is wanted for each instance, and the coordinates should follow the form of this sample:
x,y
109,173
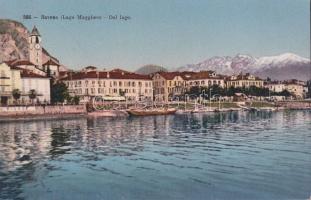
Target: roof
x,y
104,75
44,51
29,74
10,62
21,62
51,62
35,31
294,82
90,67
169,75
243,77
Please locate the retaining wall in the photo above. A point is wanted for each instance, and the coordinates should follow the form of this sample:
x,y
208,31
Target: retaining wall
x,y
295,104
41,110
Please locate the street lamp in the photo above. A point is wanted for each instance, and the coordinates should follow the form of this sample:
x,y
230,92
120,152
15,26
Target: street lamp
x,y
186,101
219,96
202,96
210,100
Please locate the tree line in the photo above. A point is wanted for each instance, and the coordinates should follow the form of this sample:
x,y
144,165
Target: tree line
x,y
250,91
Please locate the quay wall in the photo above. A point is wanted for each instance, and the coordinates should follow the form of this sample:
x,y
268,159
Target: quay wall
x,y
11,111
295,104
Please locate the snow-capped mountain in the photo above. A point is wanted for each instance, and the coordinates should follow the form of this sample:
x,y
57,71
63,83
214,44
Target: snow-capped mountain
x,y
284,66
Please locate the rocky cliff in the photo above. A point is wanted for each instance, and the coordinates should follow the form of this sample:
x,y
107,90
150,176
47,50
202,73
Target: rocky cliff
x,y
13,40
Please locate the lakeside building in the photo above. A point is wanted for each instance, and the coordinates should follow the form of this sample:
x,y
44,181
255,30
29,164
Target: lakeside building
x,y
10,79
170,84
244,80
112,85
297,88
276,86
32,81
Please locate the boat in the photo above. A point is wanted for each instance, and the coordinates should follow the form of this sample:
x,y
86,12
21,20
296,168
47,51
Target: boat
x,y
147,112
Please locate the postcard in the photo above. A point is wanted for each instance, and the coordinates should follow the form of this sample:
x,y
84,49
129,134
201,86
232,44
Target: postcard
x,y
177,99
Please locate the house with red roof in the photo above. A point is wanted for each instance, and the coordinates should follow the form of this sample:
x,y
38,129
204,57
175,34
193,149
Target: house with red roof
x,y
90,83
170,84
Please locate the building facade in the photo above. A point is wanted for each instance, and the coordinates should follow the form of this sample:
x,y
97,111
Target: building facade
x,y
10,79
242,80
297,88
276,86
40,84
167,85
115,84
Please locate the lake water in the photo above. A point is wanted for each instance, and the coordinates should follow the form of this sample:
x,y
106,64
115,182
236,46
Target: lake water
x,y
239,155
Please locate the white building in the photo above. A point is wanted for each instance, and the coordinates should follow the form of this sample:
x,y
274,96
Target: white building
x,y
41,85
276,86
297,88
10,79
115,83
51,66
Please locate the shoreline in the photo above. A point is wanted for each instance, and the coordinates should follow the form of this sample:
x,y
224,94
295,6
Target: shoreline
x,y
121,113
39,117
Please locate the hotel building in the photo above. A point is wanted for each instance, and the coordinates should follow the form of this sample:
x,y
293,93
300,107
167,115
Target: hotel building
x,y
111,85
244,80
170,84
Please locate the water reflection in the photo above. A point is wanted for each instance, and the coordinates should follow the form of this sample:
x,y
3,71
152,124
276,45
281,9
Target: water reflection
x,y
205,149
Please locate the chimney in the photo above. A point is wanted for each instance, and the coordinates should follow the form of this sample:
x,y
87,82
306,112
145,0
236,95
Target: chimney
x,y
108,75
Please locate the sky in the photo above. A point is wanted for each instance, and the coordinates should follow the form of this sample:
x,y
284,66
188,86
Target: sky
x,y
170,33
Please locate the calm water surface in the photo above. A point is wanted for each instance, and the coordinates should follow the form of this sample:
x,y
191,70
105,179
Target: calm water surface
x,y
236,155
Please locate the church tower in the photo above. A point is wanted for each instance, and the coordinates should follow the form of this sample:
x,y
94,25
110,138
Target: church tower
x,y
35,48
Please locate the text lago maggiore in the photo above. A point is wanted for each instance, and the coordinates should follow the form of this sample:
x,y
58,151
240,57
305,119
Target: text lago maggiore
x,y
79,17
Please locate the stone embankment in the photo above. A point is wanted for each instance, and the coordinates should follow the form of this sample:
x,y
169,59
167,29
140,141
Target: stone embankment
x,y
39,112
294,104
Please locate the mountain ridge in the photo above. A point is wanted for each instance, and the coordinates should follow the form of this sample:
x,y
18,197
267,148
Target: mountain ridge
x,y
279,67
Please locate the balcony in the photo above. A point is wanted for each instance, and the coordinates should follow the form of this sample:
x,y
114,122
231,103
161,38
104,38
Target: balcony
x,y
4,77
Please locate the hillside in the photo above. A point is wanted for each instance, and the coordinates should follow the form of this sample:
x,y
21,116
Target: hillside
x,y
149,69
13,40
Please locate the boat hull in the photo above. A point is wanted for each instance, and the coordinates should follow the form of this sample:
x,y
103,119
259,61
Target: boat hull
x,y
151,112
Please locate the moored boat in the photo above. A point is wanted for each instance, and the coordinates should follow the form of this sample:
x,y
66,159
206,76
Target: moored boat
x,y
146,112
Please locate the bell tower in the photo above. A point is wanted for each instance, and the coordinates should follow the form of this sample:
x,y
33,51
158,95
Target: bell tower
x,y
35,48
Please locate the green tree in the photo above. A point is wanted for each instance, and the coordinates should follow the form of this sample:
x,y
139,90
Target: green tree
x,y
16,94
285,93
59,92
32,95
76,100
